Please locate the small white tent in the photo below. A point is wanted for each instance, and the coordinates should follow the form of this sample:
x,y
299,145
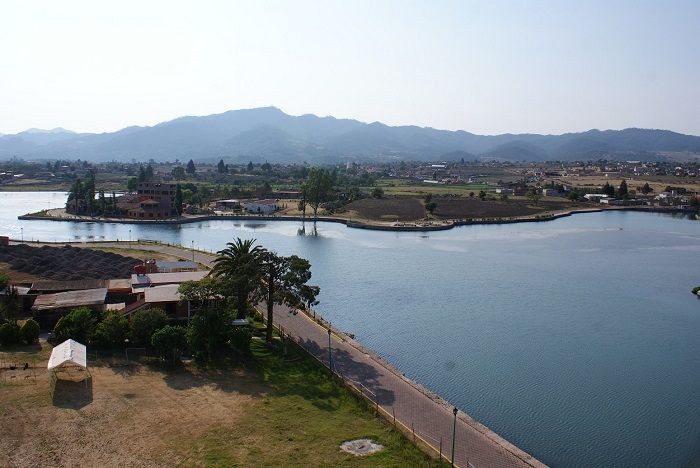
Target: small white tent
x,y
68,356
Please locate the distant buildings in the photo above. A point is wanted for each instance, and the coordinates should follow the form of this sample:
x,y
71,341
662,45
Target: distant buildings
x,y
153,200
261,206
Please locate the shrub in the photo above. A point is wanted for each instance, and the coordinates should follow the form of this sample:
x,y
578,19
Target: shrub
x,y
241,338
169,341
29,332
9,334
80,325
112,330
208,331
144,323
696,289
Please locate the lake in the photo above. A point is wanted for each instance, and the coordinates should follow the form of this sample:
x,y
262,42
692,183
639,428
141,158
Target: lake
x,y
575,339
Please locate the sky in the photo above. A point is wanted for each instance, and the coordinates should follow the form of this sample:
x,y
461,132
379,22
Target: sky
x,y
487,67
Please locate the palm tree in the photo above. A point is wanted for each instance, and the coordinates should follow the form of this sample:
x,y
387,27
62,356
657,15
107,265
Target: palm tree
x,y
239,266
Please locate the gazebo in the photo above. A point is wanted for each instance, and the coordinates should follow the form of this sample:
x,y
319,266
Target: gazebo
x,y
68,361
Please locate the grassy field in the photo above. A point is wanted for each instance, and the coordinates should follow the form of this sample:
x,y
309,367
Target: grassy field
x,y
266,410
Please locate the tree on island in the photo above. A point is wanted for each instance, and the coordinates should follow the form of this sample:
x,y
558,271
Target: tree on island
x,y
534,195
429,204
646,189
190,167
318,188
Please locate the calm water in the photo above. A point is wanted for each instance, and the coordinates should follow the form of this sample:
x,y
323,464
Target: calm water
x,y
577,339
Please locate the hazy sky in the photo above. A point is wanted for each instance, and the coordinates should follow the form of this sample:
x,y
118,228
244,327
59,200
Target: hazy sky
x,y
486,67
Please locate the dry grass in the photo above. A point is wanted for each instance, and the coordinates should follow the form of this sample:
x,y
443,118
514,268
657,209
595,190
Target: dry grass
x,y
269,411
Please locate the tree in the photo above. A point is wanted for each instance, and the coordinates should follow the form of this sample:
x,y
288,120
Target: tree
x,y
80,325
239,267
608,190
200,292
429,204
149,173
112,330
142,174
377,192
318,187
9,334
249,168
266,168
283,282
132,184
209,330
4,281
190,167
178,173
221,167
178,200
302,201
534,195
622,190
144,323
10,304
29,332
646,189
169,341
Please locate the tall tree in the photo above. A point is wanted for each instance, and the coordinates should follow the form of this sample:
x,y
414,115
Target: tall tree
x,y
318,187
283,282
178,200
221,167
622,190
149,173
302,201
143,177
190,167
178,173
239,268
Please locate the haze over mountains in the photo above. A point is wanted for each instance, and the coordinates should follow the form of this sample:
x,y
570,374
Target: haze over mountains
x,y
268,134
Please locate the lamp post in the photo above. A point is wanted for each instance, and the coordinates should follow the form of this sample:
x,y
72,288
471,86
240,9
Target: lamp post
x,y
192,250
129,236
454,433
330,351
22,230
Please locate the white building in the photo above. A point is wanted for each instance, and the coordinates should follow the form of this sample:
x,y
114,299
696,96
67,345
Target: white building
x,y
261,206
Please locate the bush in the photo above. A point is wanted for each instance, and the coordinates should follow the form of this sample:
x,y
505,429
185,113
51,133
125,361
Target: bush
x,y
208,331
29,332
80,325
169,341
112,330
241,338
696,289
9,334
144,323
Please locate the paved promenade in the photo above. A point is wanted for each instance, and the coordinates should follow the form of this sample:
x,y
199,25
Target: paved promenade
x,y
413,406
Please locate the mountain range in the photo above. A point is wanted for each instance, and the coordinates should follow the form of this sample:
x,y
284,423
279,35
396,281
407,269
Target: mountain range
x,y
268,134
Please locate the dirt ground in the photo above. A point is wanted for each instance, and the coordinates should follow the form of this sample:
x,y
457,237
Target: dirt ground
x,y
457,208
127,417
386,209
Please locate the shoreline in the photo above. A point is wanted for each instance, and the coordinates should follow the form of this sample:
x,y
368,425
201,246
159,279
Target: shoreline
x,y
415,226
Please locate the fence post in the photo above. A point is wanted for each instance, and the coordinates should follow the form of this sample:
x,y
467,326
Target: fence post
x,y
440,448
393,413
414,432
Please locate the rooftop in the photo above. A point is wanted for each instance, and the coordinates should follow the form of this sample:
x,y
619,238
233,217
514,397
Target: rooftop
x,y
85,297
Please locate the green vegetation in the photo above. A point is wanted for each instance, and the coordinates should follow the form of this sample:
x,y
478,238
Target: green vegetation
x,y
9,334
302,419
696,289
29,332
80,325
144,323
169,342
244,269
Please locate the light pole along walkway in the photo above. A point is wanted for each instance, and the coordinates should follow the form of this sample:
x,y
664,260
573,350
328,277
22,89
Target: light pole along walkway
x,y
420,412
